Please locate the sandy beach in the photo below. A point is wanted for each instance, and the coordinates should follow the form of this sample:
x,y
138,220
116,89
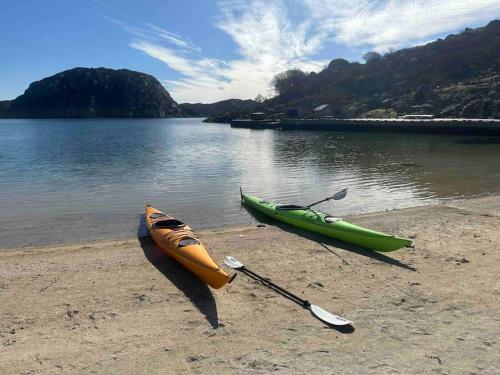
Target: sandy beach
x,y
122,307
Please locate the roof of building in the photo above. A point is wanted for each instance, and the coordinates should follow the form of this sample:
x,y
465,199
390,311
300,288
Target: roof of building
x,y
320,107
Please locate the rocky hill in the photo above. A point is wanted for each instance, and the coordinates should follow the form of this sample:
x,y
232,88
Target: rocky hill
x,y
456,76
230,105
89,92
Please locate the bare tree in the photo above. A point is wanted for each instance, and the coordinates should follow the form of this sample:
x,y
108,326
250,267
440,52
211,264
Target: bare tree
x,y
371,56
260,98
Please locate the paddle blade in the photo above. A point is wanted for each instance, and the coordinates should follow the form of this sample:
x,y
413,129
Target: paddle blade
x,y
327,317
340,195
232,262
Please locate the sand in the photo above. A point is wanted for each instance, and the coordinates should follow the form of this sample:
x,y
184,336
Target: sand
x,y
121,307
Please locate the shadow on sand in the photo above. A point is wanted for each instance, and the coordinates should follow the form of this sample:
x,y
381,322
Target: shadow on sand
x,y
326,241
265,282
197,291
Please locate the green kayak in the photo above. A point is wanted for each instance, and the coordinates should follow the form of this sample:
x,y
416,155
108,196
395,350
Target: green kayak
x,y
325,224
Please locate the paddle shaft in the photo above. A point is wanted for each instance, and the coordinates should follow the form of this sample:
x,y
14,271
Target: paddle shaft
x,y
318,202
339,195
293,297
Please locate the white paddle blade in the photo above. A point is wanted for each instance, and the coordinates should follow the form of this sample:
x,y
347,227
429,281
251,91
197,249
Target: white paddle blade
x,y
328,317
232,262
340,195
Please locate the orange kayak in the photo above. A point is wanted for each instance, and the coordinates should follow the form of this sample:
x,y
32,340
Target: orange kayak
x,y
178,241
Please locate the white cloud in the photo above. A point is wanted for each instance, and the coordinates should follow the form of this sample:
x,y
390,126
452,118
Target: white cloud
x,y
272,36
380,25
154,33
268,40
172,38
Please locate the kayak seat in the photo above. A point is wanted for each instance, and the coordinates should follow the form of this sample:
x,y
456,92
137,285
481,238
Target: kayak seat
x,y
169,223
188,241
290,207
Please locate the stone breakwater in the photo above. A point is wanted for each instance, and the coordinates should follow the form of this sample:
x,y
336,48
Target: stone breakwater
x,y
486,127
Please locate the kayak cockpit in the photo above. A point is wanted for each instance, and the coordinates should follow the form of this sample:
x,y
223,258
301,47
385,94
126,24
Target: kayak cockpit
x,y
291,207
169,224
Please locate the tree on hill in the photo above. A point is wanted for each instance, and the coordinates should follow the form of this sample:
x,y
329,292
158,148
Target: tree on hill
x,y
289,83
260,98
371,56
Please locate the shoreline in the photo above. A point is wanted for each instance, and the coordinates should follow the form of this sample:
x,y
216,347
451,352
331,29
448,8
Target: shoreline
x,y
141,230
120,306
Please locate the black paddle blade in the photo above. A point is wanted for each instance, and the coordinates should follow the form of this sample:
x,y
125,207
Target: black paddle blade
x,y
340,195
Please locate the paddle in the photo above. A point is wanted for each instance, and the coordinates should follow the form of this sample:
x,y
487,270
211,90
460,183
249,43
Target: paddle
x,y
336,197
317,311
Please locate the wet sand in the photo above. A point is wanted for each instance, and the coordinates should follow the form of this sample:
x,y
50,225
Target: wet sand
x,y
121,307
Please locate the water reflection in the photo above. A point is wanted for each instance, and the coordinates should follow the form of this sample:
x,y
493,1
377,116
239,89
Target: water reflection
x,y
394,170
101,169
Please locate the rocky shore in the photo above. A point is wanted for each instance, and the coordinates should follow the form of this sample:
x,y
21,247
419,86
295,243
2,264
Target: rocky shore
x,y
121,307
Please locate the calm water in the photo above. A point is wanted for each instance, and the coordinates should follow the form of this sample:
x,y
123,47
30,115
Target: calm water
x,y
63,180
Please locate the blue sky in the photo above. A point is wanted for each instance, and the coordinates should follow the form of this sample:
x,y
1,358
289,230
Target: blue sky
x,y
205,51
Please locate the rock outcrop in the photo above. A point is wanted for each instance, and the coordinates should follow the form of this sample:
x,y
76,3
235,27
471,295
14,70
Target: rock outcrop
x,y
230,105
89,92
456,76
